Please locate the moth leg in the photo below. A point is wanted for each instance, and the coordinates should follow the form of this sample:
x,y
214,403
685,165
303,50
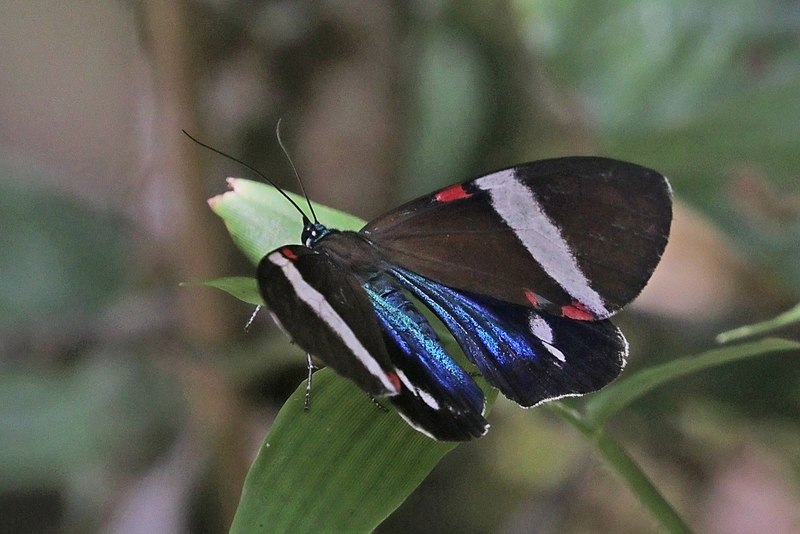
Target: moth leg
x,y
311,368
251,319
377,403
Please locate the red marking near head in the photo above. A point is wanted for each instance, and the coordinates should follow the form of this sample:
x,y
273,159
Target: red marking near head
x,y
532,298
577,311
288,253
454,192
395,380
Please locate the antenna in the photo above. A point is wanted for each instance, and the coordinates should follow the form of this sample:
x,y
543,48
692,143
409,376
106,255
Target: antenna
x,y
259,173
296,174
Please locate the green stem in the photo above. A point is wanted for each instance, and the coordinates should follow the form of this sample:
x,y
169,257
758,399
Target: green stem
x,y
613,398
786,318
622,463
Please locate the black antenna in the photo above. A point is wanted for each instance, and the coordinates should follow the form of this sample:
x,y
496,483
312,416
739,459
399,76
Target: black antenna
x,y
259,173
296,174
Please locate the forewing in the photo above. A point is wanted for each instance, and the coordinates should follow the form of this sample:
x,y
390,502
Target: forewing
x,y
531,357
577,236
324,309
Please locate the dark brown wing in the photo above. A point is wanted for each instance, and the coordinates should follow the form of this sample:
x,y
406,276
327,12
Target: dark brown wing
x,y
577,236
326,311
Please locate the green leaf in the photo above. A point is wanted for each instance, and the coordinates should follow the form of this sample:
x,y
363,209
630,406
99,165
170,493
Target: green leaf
x,y
243,288
610,400
260,219
782,320
342,466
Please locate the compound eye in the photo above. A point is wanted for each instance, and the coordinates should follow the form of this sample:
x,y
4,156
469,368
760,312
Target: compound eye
x,y
312,233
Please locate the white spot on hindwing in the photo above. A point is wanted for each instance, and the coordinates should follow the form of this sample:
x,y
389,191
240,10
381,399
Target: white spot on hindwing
x,y
517,205
544,333
426,397
317,302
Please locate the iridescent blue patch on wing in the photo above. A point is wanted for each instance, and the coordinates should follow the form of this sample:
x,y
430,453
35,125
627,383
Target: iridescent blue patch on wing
x,y
529,356
438,397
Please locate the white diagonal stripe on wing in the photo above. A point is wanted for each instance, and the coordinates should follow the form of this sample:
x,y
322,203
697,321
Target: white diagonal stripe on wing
x,y
522,212
317,302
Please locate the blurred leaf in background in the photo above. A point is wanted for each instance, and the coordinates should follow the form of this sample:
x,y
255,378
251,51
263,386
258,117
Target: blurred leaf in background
x,y
59,257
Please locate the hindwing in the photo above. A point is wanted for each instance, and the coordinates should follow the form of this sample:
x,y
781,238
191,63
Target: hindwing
x,y
438,397
530,356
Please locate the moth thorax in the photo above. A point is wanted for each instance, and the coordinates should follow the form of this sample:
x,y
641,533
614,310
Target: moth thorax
x,y
351,250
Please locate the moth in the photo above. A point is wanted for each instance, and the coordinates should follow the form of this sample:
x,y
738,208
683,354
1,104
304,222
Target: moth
x,y
524,267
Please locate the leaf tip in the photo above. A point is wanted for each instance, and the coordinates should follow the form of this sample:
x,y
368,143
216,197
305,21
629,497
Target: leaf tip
x,y
217,199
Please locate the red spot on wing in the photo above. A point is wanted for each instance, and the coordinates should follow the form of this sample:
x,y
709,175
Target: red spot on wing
x,y
288,253
532,298
454,192
395,380
577,311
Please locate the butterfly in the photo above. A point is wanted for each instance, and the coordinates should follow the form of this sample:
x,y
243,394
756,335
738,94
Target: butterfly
x,y
523,266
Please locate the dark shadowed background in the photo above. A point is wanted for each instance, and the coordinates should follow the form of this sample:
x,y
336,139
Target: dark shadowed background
x,y
129,404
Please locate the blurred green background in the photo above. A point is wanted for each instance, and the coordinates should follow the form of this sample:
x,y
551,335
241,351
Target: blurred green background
x,y
128,404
